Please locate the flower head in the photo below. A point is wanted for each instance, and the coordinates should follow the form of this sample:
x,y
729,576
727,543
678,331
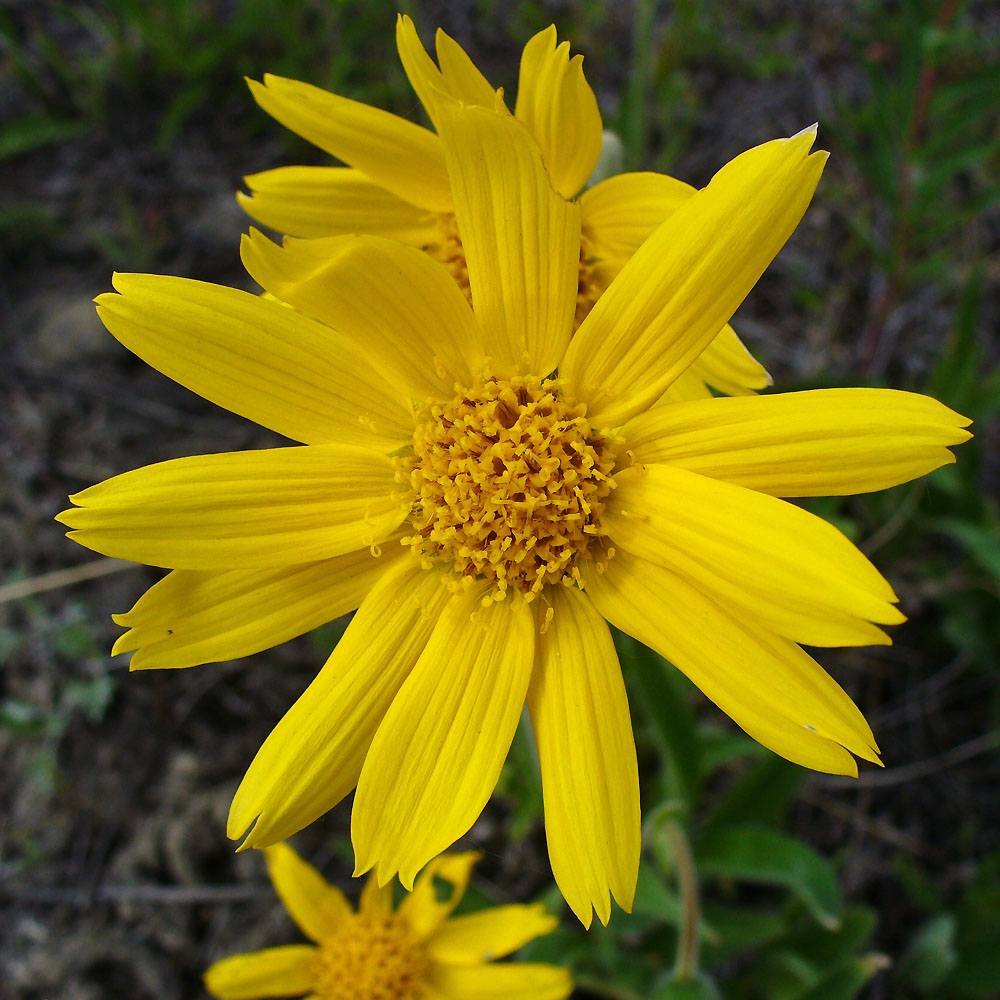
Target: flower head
x,y
489,489
396,183
379,953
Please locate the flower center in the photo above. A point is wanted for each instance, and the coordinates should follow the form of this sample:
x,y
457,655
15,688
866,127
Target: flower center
x,y
375,957
509,483
592,281
448,250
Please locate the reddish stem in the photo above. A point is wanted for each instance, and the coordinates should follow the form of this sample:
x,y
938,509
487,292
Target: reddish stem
x,y
892,290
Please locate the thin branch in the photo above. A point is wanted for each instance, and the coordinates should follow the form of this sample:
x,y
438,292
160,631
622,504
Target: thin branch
x,y
62,578
110,892
919,768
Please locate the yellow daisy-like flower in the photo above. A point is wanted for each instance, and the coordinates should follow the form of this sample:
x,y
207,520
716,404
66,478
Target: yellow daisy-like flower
x,y
397,185
416,952
488,489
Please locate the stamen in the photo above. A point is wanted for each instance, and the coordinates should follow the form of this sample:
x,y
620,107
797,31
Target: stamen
x,y
595,273
373,957
508,483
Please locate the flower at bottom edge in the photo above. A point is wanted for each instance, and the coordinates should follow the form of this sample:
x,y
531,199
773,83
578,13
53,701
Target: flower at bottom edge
x,y
414,951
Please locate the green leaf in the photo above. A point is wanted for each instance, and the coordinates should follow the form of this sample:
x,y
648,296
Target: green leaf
x,y
825,947
763,796
654,898
92,696
739,929
25,134
977,973
931,955
669,715
702,988
957,375
520,781
846,979
756,854
21,716
981,542
720,746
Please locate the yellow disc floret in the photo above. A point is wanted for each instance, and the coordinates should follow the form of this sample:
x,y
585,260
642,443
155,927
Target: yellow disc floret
x,y
509,485
448,250
376,956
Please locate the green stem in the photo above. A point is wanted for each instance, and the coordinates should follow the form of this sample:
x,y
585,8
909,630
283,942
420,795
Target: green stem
x,y
895,280
686,967
641,72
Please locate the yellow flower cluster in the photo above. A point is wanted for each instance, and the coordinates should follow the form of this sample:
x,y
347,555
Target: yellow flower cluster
x,y
501,381
418,951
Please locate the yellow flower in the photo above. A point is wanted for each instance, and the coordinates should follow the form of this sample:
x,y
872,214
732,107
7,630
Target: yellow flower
x,y
417,952
396,184
488,489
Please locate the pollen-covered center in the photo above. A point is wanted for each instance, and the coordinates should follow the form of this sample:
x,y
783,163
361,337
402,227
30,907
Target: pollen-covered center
x,y
373,957
593,276
509,485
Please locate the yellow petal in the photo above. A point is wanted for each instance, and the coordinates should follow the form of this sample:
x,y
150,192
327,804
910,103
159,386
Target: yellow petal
x,y
686,281
620,213
771,561
375,899
400,306
726,365
258,359
458,76
685,387
428,905
590,779
194,616
521,240
557,104
489,934
317,907
769,686
824,442
330,201
313,756
420,69
288,971
523,980
272,507
401,156
438,753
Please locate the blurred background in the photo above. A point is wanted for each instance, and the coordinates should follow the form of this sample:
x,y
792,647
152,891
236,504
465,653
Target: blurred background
x,y
125,128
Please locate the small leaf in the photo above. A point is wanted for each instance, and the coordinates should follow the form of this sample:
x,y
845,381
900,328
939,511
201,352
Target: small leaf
x,y
931,955
980,541
701,988
756,854
762,796
669,714
26,134
846,979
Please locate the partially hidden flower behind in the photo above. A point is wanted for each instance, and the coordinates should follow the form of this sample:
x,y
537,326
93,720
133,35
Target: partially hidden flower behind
x,y
491,489
416,952
397,185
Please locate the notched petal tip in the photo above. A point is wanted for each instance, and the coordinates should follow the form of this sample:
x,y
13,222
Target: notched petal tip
x,y
812,130
125,643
